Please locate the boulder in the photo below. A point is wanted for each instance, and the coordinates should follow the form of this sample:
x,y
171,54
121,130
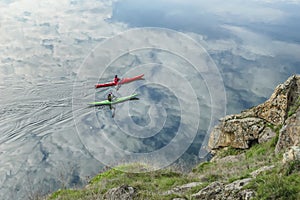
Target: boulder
x,y
212,191
237,132
123,192
237,185
266,135
292,154
220,191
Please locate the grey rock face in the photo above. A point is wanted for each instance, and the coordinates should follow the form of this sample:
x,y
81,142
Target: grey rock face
x,y
251,126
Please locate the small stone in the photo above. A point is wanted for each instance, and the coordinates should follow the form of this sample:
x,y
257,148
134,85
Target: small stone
x,y
260,170
182,188
238,185
292,155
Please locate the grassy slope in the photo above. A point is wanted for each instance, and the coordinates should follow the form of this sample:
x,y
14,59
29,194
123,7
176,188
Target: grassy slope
x,y
282,182
149,185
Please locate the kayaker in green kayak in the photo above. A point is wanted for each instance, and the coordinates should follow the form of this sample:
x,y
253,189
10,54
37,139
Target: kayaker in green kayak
x,y
110,96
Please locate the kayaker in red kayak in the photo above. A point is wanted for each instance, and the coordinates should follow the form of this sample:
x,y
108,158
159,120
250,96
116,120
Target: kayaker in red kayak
x,y
116,79
116,82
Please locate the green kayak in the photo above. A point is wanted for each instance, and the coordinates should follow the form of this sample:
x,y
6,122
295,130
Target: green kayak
x,y
114,101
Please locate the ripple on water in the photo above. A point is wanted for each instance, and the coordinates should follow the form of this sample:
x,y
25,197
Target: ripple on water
x,y
35,110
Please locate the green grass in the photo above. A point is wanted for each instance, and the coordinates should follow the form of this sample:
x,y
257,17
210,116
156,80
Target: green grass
x,y
263,152
282,182
276,129
257,156
292,167
276,184
257,151
106,175
150,185
202,167
229,151
70,194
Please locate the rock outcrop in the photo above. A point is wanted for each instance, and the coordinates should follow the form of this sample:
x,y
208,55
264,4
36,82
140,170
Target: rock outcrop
x,y
257,124
290,133
220,191
123,192
278,116
292,155
233,191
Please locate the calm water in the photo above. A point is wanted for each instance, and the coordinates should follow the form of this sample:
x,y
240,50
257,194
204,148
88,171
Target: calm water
x,y
52,55
50,137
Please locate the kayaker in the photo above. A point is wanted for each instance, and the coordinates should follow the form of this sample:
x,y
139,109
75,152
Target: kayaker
x,y
116,79
109,96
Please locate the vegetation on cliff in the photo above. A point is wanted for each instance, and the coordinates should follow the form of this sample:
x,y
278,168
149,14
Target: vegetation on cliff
x,y
281,181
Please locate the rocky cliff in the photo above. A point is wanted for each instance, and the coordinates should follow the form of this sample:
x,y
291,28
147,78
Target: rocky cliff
x,y
259,124
275,124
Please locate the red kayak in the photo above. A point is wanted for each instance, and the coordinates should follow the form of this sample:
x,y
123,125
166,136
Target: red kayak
x,y
123,81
